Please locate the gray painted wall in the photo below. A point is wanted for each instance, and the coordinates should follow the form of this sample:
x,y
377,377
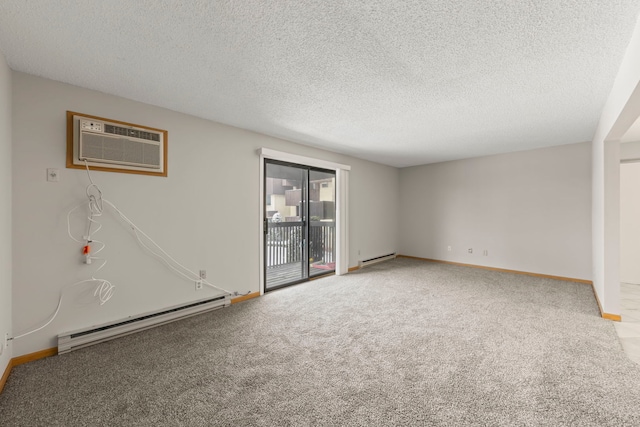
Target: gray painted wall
x,y
206,213
5,210
530,210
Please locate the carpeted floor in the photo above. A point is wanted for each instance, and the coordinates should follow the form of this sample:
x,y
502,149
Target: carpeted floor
x,y
400,343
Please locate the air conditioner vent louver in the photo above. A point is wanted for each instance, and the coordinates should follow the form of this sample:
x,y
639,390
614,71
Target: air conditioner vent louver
x,y
133,133
104,148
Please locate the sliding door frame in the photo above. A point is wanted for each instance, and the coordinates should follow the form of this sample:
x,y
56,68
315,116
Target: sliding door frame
x,y
304,222
342,205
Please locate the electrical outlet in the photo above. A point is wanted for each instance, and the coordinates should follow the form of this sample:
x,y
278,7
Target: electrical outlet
x,y
470,250
449,248
486,252
198,285
203,274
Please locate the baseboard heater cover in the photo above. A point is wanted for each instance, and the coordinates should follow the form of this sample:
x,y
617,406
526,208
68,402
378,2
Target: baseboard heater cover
x,y
376,260
80,338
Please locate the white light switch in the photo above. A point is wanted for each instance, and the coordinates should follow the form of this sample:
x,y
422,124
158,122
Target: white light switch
x,y
53,175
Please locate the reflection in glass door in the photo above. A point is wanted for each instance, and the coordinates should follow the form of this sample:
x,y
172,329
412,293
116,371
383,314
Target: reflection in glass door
x,y
284,219
299,223
322,222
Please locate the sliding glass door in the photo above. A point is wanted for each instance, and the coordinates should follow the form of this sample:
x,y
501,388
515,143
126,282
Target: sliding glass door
x,y
299,223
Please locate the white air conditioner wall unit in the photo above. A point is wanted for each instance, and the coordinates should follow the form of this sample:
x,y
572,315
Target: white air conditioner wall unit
x,y
117,145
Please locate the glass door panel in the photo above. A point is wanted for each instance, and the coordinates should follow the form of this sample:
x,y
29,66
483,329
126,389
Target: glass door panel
x,y
322,222
285,224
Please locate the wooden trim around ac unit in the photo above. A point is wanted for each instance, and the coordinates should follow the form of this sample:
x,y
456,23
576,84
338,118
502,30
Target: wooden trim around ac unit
x,y
70,130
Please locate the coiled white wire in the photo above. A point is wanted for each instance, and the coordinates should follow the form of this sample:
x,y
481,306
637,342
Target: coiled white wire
x,y
105,289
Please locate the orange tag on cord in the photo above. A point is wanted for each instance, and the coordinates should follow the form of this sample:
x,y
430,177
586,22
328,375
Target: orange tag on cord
x,y
86,250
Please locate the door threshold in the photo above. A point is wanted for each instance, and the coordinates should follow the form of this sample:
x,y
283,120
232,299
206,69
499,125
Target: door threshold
x,y
320,276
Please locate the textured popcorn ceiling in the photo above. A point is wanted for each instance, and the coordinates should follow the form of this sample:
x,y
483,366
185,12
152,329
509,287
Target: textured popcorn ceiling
x,y
397,82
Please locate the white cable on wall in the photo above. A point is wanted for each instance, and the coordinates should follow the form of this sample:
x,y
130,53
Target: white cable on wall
x,y
164,256
105,289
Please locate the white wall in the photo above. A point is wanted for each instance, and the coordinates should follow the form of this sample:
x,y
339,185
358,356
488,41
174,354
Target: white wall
x,y
630,223
618,114
374,218
530,210
208,163
5,210
630,212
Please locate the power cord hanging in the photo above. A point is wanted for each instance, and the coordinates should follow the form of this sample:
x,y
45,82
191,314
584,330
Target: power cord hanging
x,y
105,289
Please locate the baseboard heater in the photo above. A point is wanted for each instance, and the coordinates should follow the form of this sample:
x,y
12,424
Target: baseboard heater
x,y
376,260
74,340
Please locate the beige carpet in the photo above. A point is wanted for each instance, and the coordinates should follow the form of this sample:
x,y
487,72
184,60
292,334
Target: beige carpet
x,y
401,343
